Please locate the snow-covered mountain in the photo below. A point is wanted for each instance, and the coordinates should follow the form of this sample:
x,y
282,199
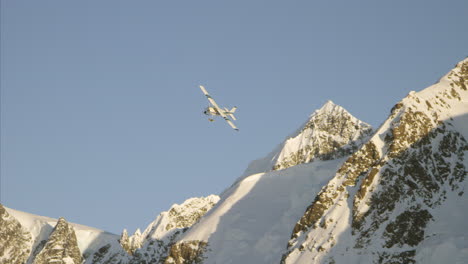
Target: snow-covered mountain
x,y
335,191
401,197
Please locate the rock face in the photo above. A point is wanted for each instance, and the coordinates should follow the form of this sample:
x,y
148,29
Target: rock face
x,y
61,247
15,241
380,203
131,244
187,252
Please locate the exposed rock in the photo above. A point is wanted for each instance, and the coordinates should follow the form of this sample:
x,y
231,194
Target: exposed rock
x,y
131,244
125,242
61,247
15,241
187,252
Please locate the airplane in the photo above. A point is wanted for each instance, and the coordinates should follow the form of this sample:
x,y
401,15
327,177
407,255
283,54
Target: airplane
x,y
214,110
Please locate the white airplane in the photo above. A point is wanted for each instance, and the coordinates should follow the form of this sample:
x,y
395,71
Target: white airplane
x,y
214,110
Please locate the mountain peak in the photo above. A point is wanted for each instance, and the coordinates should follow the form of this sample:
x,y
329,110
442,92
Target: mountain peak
x,y
329,106
331,132
332,109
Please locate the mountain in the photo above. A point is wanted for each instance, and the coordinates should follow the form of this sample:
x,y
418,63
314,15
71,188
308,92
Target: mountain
x,y
334,191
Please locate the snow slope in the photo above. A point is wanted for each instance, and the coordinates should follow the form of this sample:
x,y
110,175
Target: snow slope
x,y
252,223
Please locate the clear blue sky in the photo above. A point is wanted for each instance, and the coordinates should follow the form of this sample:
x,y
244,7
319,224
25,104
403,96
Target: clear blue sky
x,y
101,114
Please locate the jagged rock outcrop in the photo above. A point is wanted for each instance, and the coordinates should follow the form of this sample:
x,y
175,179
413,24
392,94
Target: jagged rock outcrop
x,y
187,252
15,241
130,244
385,195
61,247
125,242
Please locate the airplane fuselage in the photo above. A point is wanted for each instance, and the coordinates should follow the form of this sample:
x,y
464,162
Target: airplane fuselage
x,y
211,111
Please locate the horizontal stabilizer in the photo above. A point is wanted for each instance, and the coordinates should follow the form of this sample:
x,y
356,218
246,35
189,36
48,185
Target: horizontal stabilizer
x,y
230,113
232,116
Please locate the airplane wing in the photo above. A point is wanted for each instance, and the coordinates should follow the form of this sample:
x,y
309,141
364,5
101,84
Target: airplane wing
x,y
210,99
220,110
230,122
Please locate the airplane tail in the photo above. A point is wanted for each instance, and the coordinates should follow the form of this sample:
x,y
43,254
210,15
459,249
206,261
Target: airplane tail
x,y
230,113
